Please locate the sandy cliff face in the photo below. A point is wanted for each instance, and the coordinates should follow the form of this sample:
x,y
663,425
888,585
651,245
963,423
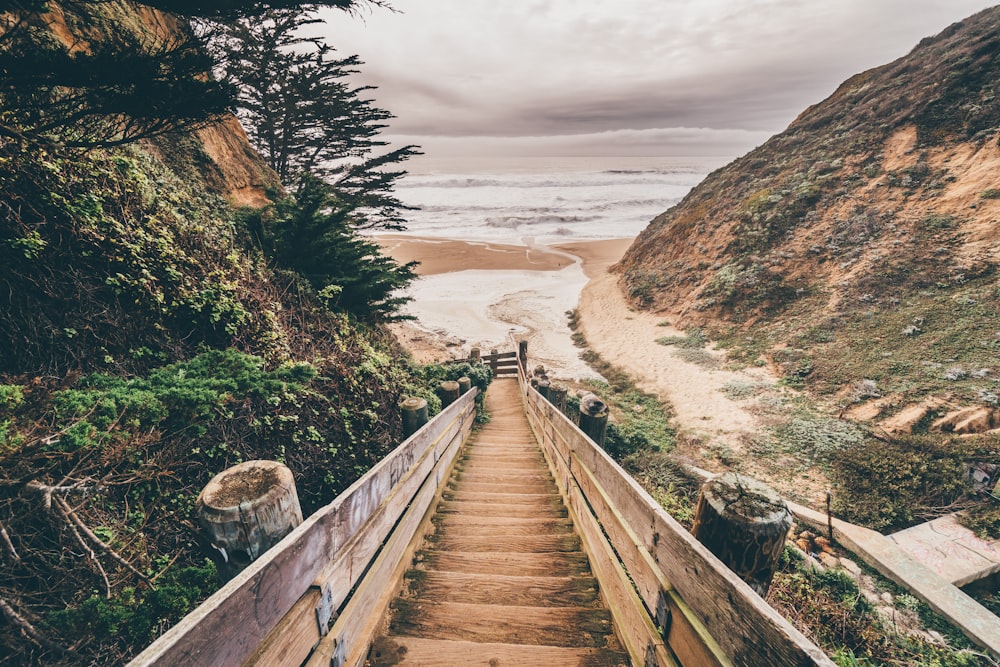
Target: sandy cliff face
x,y
220,153
858,248
888,185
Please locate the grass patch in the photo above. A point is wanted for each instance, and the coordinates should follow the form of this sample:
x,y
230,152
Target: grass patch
x,y
702,358
694,339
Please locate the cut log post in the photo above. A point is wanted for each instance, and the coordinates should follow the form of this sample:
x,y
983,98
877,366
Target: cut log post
x,y
493,361
594,418
543,387
557,396
744,523
414,411
475,356
464,385
449,392
247,509
522,355
539,371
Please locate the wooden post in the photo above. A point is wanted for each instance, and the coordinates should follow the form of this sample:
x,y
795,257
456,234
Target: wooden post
x,y
414,411
594,418
539,371
744,523
464,385
474,356
449,392
493,361
522,355
543,387
557,396
247,509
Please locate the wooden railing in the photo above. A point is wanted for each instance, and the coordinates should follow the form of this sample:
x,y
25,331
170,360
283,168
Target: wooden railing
x,y
319,593
672,600
501,363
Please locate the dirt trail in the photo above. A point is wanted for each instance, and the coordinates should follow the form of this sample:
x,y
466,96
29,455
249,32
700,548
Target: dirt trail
x,y
502,579
627,339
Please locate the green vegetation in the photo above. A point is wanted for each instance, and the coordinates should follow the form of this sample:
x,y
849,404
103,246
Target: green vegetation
x,y
694,339
846,623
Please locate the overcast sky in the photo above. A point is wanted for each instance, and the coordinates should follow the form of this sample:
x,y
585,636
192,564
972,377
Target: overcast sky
x,y
629,77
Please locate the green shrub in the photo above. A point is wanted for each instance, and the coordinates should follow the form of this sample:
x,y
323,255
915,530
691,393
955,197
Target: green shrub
x,y
893,484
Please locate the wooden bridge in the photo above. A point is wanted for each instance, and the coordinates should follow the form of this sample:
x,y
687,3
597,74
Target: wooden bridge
x,y
524,544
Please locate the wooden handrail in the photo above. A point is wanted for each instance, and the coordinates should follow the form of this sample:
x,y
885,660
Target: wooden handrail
x,y
277,610
672,599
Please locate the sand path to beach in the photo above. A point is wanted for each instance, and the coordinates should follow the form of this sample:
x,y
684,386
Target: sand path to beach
x,y
706,415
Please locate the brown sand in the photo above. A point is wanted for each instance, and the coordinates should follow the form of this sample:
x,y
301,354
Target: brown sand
x,y
447,255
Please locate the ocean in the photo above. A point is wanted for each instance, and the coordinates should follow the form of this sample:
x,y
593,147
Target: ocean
x,y
544,200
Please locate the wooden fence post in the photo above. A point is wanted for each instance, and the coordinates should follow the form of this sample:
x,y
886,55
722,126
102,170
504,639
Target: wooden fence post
x,y
594,418
474,356
414,411
247,509
493,361
744,523
464,385
543,387
522,355
557,396
449,392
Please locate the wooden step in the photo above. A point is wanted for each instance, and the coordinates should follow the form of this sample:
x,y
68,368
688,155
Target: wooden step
x,y
412,651
537,591
526,528
549,626
561,564
502,497
500,523
506,543
551,510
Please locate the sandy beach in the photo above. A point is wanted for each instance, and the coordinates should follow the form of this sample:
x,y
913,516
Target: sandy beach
x,y
479,292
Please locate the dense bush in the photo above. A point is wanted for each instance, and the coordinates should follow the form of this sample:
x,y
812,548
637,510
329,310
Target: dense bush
x,y
895,483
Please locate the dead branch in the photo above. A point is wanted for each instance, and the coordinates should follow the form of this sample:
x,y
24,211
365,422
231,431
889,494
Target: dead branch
x,y
62,508
26,627
8,546
46,491
98,542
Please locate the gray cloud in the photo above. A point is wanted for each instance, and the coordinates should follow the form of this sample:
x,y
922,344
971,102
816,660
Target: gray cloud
x,y
582,68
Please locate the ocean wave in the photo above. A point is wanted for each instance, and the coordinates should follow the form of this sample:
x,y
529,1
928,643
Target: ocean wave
x,y
598,180
515,221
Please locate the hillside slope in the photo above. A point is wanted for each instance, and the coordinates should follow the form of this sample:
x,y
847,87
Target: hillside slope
x,y
861,243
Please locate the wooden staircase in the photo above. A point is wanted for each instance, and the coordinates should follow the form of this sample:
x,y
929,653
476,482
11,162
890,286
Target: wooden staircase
x,y
501,579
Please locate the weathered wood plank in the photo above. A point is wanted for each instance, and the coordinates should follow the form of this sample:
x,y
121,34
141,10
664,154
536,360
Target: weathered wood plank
x,y
228,627
519,590
293,637
755,633
528,564
413,651
502,624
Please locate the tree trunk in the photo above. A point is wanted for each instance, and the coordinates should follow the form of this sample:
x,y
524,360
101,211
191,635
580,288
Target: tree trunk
x,y
744,523
247,509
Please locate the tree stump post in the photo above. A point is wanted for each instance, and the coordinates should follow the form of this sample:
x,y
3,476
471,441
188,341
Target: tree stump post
x,y
464,385
539,371
744,523
557,396
449,393
543,387
247,509
475,356
522,355
414,412
594,418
